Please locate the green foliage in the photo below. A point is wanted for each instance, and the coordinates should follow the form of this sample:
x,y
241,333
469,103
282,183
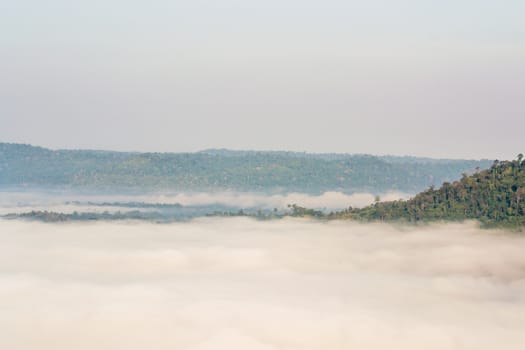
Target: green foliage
x,y
28,166
496,197
298,211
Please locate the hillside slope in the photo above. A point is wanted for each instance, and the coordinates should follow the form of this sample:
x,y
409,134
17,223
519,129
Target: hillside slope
x,y
495,196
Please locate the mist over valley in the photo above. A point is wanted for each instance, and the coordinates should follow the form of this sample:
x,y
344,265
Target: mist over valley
x,y
233,283
262,175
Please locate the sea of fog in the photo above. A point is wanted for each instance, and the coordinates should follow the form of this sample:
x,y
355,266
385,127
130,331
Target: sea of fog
x,y
237,283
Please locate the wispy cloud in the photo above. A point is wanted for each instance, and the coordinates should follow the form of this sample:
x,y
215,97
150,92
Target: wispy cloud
x,y
24,201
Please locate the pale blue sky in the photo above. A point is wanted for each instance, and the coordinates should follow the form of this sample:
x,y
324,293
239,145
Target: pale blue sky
x,y
435,78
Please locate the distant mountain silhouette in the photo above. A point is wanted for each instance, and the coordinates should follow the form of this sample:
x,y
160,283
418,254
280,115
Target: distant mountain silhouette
x,y
220,170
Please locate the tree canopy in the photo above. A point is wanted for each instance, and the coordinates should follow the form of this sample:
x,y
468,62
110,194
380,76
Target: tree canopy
x,y
495,196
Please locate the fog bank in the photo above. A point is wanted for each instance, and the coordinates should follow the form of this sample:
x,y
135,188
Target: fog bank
x,y
15,202
242,284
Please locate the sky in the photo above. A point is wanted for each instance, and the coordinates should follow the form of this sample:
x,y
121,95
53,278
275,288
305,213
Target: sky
x,y
429,78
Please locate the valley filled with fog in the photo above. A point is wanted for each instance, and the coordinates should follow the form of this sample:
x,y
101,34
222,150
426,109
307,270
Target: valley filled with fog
x,y
182,205
262,175
239,283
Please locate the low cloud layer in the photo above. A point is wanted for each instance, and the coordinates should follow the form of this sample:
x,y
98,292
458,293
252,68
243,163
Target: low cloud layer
x,y
328,200
12,202
243,284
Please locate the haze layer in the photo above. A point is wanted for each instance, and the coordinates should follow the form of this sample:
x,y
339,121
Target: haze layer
x,y
243,284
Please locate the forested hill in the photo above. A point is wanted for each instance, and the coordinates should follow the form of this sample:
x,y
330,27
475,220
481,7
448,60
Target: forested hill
x,y
216,170
495,196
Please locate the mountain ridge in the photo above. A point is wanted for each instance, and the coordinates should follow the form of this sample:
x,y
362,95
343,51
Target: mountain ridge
x,y
212,170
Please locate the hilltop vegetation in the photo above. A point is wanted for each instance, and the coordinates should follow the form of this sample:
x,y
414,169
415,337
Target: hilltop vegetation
x,y
216,170
496,197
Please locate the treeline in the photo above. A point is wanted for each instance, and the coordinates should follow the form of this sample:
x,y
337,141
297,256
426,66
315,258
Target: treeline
x,y
495,197
50,216
151,216
220,170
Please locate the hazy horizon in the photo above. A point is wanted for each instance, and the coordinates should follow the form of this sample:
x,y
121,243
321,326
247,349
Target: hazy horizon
x,y
131,150
440,79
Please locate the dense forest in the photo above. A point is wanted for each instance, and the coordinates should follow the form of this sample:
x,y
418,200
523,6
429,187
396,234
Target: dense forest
x,y
495,197
218,170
